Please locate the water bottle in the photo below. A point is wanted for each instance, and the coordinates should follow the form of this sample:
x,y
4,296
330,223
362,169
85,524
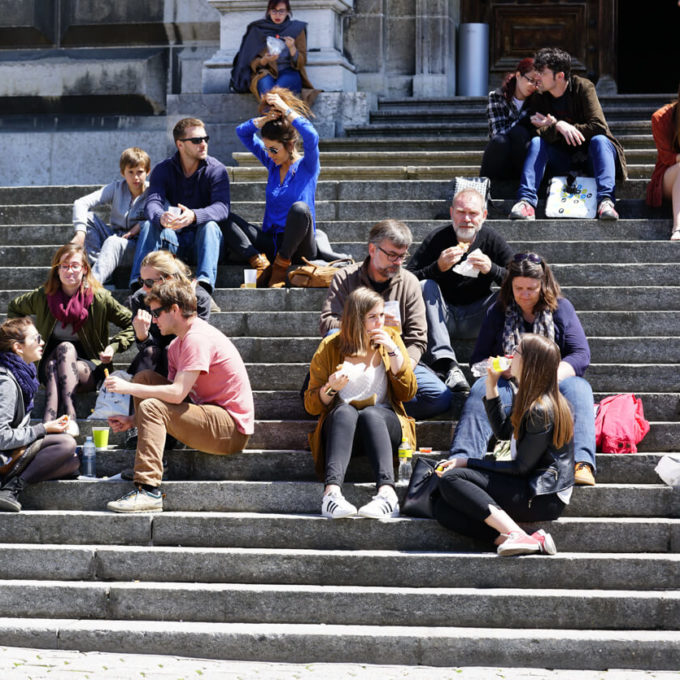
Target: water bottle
x,y
405,453
88,463
499,364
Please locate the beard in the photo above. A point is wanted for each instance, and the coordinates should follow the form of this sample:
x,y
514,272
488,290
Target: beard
x,y
466,233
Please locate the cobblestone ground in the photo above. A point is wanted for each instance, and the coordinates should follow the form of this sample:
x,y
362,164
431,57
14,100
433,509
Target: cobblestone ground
x,y
37,664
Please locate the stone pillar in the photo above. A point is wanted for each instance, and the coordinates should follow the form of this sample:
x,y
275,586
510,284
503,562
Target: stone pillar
x,y
435,48
327,67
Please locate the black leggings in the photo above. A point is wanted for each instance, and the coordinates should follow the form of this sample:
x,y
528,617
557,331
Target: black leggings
x,y
56,459
374,431
463,497
66,374
245,240
504,154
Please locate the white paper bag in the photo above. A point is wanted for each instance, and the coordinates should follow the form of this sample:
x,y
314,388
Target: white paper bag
x,y
563,203
668,468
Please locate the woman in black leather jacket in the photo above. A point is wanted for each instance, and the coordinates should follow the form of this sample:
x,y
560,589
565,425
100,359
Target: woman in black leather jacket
x,y
477,496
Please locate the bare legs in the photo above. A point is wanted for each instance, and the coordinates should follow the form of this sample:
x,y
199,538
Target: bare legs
x,y
671,189
65,375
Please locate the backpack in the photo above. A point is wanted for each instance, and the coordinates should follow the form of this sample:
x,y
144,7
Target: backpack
x,y
620,424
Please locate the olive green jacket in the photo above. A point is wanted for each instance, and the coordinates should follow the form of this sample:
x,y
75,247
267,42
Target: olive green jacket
x,y
94,334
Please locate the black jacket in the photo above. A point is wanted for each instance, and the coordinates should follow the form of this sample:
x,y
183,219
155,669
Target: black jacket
x,y
547,469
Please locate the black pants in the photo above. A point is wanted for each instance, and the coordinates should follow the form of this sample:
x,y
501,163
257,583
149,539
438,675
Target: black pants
x,y
504,154
463,497
374,431
56,459
245,240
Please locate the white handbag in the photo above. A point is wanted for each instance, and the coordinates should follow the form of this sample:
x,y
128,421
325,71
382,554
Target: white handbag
x,y
575,200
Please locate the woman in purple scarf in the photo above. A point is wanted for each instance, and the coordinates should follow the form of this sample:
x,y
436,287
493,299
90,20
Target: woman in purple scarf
x,y
72,312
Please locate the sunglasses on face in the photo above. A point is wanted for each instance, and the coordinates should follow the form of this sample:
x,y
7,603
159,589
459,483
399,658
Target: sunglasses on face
x,y
532,257
196,140
272,150
155,313
149,282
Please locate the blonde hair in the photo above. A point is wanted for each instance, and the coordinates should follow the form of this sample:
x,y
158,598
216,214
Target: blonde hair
x,y
53,283
352,326
538,387
167,265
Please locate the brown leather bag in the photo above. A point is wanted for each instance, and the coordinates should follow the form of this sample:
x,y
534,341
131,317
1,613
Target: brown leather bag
x,y
316,276
16,461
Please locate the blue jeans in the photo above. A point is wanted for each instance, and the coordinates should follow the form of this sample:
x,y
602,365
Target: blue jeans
x,y
432,398
473,431
601,163
288,77
198,244
446,321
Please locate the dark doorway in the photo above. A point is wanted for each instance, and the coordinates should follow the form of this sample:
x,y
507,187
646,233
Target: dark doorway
x,y
648,54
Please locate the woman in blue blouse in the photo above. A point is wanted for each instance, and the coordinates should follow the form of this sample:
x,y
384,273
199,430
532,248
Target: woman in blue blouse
x,y
288,229
530,301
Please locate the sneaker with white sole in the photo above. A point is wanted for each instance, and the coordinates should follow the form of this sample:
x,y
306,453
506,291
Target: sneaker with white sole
x,y
519,543
546,541
138,500
380,507
523,210
336,506
606,210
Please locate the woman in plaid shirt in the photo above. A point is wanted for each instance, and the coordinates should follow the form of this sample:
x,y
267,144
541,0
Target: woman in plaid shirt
x,y
505,152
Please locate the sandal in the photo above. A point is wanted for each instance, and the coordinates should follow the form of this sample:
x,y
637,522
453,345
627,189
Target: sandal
x,y
675,234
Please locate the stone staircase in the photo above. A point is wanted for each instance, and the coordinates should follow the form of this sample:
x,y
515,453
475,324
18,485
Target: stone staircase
x,y
241,566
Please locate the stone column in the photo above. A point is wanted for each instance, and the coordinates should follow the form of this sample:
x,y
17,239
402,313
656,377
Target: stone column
x,y
435,48
327,67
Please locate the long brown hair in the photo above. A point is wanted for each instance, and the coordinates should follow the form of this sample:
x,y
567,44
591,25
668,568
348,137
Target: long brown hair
x,y
14,330
531,266
538,387
352,327
53,283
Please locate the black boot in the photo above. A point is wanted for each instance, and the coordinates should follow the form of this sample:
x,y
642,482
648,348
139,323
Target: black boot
x,y
9,492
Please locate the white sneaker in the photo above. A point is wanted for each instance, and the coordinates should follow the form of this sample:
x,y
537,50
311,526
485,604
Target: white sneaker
x,y
381,507
336,506
138,500
519,543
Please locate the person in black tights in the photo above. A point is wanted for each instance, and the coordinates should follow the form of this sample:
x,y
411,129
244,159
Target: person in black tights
x,y
28,453
359,378
477,497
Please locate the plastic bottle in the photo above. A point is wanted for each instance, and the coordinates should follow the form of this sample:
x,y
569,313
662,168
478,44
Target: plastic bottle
x,y
499,364
88,463
405,453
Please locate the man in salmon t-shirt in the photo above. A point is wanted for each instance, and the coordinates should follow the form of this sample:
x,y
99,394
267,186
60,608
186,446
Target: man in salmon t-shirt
x,y
206,402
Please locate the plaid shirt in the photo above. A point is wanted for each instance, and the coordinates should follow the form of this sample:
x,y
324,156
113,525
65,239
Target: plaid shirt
x,y
502,115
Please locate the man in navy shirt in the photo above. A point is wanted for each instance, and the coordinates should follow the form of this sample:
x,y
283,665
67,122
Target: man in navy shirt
x,y
188,197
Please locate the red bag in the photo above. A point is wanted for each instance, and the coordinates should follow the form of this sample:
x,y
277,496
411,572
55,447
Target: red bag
x,y
620,424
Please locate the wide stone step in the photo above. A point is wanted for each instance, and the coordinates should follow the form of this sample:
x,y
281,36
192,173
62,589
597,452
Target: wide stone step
x,y
620,500
337,567
308,643
343,605
262,530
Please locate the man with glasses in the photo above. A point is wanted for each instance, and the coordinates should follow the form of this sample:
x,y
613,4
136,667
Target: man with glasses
x,y
388,244
206,401
456,267
188,198
572,135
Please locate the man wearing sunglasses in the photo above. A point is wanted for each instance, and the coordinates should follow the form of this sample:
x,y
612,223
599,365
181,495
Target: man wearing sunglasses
x,y
572,134
457,265
206,401
188,199
388,244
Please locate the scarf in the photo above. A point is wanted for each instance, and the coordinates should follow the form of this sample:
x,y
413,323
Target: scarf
x,y
26,375
71,310
514,326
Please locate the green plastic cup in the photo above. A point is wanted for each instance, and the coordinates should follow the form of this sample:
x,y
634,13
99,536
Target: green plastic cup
x,y
100,435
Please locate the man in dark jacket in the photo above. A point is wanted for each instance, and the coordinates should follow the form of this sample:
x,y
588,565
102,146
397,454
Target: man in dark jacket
x,y
572,134
456,265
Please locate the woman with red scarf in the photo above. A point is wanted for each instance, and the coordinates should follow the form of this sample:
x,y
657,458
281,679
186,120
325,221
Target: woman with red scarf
x,y
72,312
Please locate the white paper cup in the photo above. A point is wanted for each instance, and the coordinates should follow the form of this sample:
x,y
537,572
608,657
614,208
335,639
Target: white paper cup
x,y
175,211
249,278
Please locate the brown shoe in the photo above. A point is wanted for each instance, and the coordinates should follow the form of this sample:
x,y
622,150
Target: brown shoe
x,y
583,475
263,267
279,272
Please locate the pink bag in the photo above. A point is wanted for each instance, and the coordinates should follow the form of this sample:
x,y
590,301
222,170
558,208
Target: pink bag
x,y
620,424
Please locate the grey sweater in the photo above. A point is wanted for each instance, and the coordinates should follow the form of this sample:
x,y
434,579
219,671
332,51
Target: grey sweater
x,y
15,427
125,212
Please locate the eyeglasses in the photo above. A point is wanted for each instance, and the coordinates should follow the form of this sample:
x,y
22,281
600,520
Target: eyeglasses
x,y
272,150
196,140
531,81
149,282
75,267
37,338
532,257
155,313
280,12
394,257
